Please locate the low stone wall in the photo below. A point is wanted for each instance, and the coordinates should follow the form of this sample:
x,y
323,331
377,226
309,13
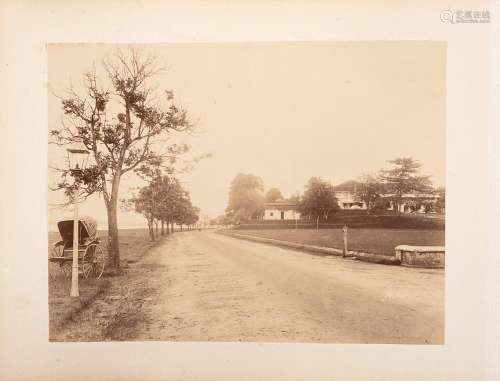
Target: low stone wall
x,y
421,256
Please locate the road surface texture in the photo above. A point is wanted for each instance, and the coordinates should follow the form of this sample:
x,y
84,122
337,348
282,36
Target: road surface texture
x,y
202,286
210,287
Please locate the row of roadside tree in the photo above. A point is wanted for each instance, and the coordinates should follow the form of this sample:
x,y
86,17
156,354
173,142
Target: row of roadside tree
x,y
164,203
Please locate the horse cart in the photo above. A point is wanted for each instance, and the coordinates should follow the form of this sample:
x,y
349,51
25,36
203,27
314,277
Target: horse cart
x,y
91,258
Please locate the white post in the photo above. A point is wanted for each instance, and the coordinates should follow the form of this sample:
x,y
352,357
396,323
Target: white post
x,y
74,273
344,231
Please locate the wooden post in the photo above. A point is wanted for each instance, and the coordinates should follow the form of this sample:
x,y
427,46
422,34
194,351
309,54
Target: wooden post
x,y
74,270
344,231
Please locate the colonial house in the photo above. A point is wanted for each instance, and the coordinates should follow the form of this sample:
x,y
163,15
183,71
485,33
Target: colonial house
x,y
410,202
345,194
346,198
281,210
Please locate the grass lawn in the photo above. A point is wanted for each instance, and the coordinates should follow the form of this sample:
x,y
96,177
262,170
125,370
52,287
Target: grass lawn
x,y
377,241
134,243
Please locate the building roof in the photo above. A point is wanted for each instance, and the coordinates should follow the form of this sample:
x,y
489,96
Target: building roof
x,y
349,186
280,203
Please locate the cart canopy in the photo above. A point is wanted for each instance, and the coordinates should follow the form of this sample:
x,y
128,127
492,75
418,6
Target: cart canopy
x,y
87,230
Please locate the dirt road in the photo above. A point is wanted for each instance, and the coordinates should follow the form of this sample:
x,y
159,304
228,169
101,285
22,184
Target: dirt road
x,y
208,287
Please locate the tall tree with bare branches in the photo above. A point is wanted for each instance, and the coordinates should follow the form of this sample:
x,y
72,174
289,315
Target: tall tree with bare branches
x,y
123,122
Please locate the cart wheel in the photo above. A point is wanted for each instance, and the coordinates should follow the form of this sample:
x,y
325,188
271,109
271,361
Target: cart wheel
x,y
85,263
54,270
93,261
58,250
66,268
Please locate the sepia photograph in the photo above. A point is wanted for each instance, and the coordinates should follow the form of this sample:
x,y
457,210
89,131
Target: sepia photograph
x,y
249,191
257,192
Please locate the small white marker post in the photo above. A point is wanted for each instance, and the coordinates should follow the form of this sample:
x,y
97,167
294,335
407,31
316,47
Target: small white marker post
x,y
74,268
344,231
77,161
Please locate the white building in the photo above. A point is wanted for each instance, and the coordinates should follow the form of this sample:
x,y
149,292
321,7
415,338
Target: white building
x,y
281,210
345,194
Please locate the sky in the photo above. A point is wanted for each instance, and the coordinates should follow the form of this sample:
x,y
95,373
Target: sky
x,y
284,111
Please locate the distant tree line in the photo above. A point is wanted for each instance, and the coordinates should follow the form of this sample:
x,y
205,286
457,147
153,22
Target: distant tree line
x,y
390,187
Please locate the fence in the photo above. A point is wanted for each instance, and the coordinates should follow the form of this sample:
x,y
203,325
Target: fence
x,y
353,221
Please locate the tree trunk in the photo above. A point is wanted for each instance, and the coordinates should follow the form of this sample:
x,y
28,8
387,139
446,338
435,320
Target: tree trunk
x,y
399,201
162,227
172,227
114,243
151,231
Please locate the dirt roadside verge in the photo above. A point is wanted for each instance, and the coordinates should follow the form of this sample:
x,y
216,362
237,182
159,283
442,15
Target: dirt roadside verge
x,y
114,300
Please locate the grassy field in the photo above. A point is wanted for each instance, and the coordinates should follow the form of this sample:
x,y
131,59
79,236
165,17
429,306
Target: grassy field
x,y
134,243
377,241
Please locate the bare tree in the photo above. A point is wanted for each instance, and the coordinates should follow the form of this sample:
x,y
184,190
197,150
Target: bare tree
x,y
123,126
